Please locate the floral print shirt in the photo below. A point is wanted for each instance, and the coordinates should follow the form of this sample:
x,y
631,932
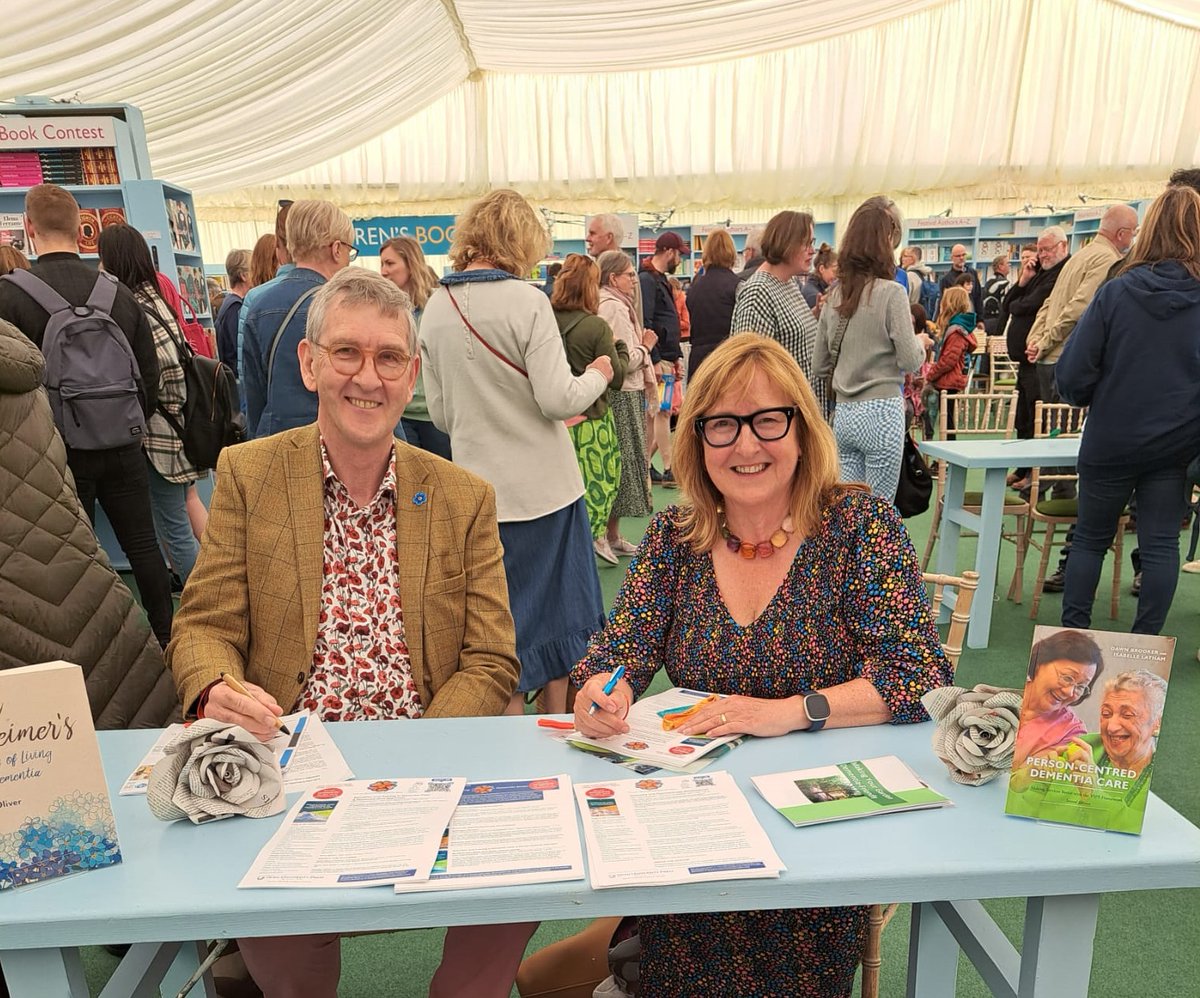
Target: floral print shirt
x,y
360,668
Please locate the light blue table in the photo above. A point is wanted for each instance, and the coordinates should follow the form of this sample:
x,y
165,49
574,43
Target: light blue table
x,y
178,880
995,457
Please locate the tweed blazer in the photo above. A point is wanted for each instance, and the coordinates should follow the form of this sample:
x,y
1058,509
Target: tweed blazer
x,y
251,605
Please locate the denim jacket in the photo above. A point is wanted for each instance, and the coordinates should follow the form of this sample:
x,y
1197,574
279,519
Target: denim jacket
x,y
284,403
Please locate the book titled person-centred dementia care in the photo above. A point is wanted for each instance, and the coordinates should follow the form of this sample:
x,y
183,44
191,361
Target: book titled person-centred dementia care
x,y
856,789
1091,715
55,813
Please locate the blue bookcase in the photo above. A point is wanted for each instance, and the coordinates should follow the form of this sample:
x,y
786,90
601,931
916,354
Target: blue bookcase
x,y
134,197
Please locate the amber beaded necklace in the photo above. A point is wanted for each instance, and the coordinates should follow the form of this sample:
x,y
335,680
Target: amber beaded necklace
x,y
748,549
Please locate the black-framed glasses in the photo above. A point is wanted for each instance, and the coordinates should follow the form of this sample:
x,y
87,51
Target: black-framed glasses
x,y
347,359
351,250
723,429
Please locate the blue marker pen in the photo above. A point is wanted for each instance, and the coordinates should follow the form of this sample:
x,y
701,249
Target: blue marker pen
x,y
608,687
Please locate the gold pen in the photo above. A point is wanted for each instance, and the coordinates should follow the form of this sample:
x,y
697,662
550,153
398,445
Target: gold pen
x,y
237,687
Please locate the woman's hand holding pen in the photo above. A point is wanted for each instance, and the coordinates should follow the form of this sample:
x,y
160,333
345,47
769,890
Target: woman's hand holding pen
x,y
609,719
255,710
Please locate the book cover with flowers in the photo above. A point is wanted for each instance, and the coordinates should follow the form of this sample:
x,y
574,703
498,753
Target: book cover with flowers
x,y
55,813
1091,714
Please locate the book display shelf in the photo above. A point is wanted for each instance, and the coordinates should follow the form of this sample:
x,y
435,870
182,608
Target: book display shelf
x,y
988,237
98,152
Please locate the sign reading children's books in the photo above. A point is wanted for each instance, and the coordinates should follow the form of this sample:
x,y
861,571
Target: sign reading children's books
x,y
55,815
1090,719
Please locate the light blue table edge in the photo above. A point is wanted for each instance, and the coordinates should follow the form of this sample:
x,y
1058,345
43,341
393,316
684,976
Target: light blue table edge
x,y
994,457
1064,921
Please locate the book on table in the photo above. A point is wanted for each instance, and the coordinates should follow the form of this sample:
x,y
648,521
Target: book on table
x,y
55,813
855,789
1091,714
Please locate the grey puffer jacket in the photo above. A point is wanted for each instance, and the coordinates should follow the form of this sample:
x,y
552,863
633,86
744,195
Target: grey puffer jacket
x,y
59,597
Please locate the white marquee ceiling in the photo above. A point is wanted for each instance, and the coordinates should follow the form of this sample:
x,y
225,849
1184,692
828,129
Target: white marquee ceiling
x,y
674,101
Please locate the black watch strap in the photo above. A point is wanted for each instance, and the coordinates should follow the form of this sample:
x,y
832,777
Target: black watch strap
x,y
816,708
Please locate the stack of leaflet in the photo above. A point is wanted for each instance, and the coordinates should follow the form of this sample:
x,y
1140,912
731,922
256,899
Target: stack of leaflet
x,y
426,834
673,830
847,790
648,746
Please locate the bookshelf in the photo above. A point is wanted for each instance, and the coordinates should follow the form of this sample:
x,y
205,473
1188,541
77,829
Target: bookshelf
x,y
97,152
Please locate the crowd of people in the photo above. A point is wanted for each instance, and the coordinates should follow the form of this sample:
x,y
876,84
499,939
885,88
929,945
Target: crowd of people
x,y
439,467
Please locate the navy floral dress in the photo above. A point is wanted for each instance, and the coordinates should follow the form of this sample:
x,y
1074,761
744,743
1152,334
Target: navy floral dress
x,y
851,606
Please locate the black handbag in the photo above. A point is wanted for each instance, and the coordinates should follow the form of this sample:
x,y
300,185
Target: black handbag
x,y
916,481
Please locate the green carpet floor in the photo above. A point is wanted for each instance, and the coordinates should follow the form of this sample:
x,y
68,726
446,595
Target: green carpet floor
x,y
1147,942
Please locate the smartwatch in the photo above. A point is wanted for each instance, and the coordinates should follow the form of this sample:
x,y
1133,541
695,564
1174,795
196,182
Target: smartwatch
x,y
816,707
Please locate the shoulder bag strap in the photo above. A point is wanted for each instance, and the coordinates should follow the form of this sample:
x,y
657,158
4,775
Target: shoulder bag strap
x,y
474,332
38,290
279,332
835,345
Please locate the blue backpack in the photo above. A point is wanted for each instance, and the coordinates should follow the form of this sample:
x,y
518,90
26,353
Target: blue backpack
x,y
92,376
931,296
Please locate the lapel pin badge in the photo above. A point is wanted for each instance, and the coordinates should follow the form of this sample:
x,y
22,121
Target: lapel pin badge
x,y
419,499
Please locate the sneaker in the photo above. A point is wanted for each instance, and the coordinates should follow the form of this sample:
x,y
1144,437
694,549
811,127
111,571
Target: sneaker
x,y
603,551
668,480
655,475
1191,567
1135,587
1054,583
621,546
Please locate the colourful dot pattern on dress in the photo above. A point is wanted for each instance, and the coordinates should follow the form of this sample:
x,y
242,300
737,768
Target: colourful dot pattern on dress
x,y
852,605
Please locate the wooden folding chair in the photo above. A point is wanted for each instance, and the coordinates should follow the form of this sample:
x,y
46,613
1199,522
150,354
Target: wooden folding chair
x,y
964,594
1002,370
1057,419
988,416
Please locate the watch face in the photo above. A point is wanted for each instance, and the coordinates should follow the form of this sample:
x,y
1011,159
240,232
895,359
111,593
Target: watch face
x,y
817,707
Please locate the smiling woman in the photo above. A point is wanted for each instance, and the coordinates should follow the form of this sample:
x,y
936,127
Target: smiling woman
x,y
798,598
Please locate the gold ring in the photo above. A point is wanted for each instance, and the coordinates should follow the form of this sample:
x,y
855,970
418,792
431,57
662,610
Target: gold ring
x,y
724,719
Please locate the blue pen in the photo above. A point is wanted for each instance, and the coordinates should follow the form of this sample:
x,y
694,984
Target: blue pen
x,y
608,687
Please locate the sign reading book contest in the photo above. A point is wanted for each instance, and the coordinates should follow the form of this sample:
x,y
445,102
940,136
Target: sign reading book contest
x,y
20,132
1091,715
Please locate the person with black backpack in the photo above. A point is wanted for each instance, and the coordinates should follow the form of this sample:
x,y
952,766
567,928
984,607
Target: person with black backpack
x,y
102,380
994,292
125,254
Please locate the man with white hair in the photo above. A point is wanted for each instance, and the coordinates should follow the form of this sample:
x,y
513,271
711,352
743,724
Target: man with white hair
x,y
604,232
320,237
1018,311
752,256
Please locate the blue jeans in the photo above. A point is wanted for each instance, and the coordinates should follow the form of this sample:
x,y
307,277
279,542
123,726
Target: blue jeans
x,y
1104,493
168,502
422,433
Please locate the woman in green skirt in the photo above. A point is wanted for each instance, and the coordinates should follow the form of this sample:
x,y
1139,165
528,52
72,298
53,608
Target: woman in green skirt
x,y
586,336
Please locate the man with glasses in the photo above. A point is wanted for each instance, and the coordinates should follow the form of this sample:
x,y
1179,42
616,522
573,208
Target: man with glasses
x,y
320,239
348,575
1078,283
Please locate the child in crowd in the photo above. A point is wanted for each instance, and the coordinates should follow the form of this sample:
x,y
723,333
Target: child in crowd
x,y
920,401
951,370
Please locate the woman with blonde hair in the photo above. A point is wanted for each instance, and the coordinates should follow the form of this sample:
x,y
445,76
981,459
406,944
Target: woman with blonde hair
x,y
1134,359
865,345
951,371
402,261
498,382
800,599
586,336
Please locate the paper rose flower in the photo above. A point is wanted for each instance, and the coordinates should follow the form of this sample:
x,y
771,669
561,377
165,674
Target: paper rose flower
x,y
215,770
976,730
